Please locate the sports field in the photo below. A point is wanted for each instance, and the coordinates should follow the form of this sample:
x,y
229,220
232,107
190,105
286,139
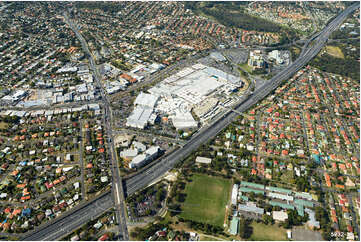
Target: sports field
x,y
206,199
263,232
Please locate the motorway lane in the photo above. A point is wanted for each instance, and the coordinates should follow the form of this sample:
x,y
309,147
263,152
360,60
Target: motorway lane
x,y
65,225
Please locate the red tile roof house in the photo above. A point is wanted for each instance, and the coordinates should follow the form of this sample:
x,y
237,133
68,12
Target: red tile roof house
x,y
349,228
161,233
103,237
63,205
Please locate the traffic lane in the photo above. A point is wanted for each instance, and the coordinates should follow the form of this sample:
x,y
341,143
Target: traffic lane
x,y
68,223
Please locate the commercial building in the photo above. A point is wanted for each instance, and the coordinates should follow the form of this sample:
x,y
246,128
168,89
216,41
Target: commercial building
x,y
15,97
205,107
146,100
142,113
142,159
129,153
138,161
184,120
256,59
139,146
139,117
276,55
300,210
152,152
194,87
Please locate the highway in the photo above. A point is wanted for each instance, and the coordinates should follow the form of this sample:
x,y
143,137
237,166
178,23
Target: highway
x,y
142,180
80,215
63,225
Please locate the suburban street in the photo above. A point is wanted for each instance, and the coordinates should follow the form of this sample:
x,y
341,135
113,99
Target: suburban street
x,y
107,120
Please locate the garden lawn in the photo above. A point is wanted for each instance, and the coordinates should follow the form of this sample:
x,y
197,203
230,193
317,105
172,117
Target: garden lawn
x,y
206,199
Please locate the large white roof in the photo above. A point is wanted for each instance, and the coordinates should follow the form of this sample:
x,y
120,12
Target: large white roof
x,y
146,100
184,120
139,117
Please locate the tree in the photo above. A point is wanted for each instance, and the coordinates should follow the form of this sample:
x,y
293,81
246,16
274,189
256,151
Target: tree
x,y
174,209
180,197
252,196
245,230
302,184
267,219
